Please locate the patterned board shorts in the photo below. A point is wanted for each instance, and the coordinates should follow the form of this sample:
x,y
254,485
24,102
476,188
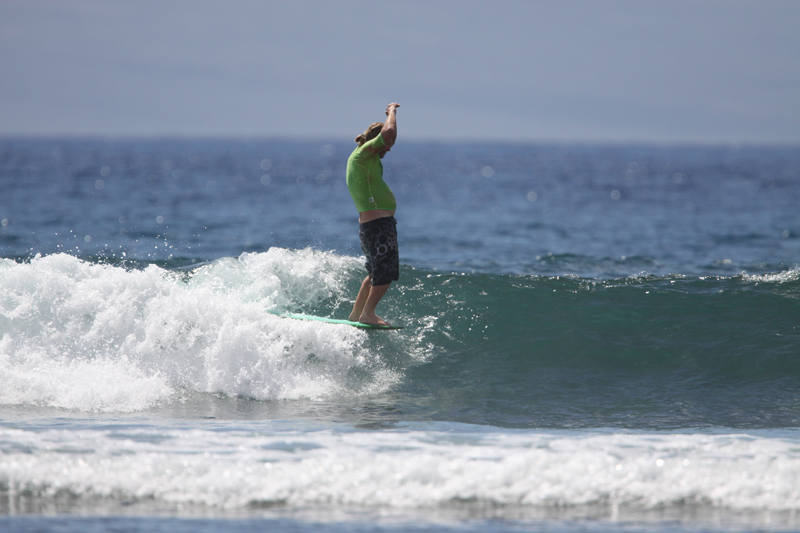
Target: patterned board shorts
x,y
379,243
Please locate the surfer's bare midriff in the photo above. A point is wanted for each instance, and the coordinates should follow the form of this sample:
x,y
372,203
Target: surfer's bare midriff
x,y
373,214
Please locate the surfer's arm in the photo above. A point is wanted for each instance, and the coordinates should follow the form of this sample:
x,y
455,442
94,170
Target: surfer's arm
x,y
389,130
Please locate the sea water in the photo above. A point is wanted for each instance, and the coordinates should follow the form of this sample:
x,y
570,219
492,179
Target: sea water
x,y
597,338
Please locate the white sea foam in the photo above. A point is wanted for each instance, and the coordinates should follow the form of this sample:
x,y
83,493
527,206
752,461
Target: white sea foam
x,y
86,336
777,277
420,468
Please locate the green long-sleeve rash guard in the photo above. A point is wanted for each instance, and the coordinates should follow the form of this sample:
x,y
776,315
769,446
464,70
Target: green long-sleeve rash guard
x,y
365,178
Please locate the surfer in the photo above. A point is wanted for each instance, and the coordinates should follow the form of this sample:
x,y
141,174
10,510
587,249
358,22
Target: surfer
x,y
377,227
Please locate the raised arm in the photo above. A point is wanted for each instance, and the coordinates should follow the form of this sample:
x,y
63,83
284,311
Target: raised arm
x,y
389,130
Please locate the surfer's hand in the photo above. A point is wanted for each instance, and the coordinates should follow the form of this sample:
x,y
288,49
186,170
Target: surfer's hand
x,y
391,107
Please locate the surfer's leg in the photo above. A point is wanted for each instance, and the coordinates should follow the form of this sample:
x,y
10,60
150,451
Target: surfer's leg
x,y
368,315
379,244
361,299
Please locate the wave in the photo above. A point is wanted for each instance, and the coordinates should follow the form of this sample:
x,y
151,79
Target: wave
x,y
425,466
89,336
669,351
740,326
637,352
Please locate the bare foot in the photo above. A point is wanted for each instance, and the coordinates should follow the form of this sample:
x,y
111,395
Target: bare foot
x,y
353,317
373,320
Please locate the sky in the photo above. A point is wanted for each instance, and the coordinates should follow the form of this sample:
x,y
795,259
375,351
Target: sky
x,y
609,71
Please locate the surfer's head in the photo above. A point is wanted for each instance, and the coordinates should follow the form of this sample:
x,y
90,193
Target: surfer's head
x,y
373,131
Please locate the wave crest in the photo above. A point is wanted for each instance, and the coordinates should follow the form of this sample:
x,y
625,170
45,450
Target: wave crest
x,y
87,336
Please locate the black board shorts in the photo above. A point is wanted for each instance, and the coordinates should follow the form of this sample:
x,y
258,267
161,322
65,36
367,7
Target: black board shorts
x,y
379,243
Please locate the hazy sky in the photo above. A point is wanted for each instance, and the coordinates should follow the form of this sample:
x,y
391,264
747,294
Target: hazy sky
x,y
640,70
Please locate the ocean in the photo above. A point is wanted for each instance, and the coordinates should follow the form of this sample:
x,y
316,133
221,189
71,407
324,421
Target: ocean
x,y
596,338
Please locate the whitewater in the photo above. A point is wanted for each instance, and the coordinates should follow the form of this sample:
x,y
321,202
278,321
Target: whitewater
x,y
595,339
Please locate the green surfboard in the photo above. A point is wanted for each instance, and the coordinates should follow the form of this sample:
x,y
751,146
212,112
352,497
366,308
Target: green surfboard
x,y
335,321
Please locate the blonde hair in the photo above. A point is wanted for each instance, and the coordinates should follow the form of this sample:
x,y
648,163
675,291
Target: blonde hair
x,y
373,131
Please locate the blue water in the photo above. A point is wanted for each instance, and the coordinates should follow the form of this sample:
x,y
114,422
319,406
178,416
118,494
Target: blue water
x,y
596,338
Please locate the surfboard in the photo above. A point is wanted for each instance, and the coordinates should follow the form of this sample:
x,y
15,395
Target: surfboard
x,y
335,321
